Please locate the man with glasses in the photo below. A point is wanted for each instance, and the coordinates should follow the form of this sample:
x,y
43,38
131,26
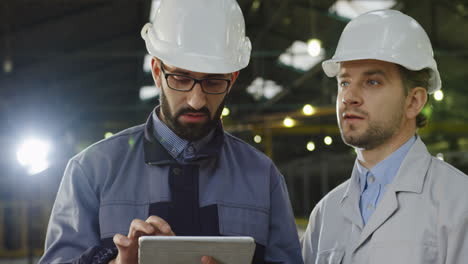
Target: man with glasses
x,y
180,173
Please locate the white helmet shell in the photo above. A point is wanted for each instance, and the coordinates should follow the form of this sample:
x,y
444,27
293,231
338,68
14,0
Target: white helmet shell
x,y
199,35
386,35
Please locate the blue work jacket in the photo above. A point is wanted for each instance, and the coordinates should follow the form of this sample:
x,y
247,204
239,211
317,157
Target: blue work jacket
x,y
229,189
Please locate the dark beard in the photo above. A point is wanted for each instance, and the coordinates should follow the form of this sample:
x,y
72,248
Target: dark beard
x,y
191,131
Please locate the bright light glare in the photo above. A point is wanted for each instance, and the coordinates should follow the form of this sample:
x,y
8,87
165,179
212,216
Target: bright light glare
x,y
353,8
226,111
289,122
148,92
314,47
328,140
257,139
147,63
260,88
108,134
297,56
439,95
308,110
32,154
310,146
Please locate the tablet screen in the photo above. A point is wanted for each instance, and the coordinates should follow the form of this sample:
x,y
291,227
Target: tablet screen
x,y
190,249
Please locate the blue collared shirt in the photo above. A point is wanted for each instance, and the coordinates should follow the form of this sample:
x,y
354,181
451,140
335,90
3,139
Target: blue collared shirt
x,y
374,182
179,148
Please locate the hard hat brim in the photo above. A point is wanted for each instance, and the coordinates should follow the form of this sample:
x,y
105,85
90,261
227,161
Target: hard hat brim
x,y
331,67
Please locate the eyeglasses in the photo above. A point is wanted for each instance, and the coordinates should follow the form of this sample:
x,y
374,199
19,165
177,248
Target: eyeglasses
x,y
186,83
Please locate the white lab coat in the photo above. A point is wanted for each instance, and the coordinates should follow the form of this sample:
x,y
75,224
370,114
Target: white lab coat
x,y
422,218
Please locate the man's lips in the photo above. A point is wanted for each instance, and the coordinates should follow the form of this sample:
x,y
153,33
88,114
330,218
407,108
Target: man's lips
x,y
194,117
352,116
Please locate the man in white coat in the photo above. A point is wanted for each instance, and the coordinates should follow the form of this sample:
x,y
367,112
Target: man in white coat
x,y
401,205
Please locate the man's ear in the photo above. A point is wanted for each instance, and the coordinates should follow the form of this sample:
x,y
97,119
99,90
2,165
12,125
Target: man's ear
x,y
234,76
415,101
156,71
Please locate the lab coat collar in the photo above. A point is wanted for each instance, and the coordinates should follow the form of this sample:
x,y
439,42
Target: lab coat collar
x,y
410,178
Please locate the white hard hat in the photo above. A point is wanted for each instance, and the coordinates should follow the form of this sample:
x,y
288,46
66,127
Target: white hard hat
x,y
386,35
199,35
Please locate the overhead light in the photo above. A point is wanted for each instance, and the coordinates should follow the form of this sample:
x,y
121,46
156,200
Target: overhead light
x,y
308,110
297,56
148,92
261,88
108,134
353,8
327,140
255,5
257,139
314,47
310,146
225,111
147,63
7,65
33,154
439,95
289,122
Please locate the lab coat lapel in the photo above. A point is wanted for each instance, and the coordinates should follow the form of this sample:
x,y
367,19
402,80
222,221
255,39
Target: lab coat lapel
x,y
386,208
410,178
350,200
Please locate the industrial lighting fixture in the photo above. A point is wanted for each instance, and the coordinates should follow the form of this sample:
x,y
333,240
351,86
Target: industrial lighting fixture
x,y
33,155
148,92
328,140
297,56
261,88
258,139
308,110
226,111
289,122
352,8
147,63
314,47
310,146
439,95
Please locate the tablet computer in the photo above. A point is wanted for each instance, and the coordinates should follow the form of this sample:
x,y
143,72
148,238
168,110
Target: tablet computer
x,y
190,249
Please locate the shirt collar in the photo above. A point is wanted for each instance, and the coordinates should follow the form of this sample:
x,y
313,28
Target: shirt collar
x,y
171,141
386,170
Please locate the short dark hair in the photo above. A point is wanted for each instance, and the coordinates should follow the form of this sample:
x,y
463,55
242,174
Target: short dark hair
x,y
412,79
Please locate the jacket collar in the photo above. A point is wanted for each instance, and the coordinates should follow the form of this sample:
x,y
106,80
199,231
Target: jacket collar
x,y
156,154
412,173
410,177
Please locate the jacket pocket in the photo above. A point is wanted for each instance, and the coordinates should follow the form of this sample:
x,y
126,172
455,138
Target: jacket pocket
x,y
333,256
116,217
244,221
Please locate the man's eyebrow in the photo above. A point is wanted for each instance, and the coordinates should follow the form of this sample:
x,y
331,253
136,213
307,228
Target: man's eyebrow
x,y
213,75
366,73
343,75
377,72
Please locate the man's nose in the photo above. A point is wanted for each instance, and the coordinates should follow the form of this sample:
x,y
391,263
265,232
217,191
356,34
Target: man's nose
x,y
351,96
196,97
